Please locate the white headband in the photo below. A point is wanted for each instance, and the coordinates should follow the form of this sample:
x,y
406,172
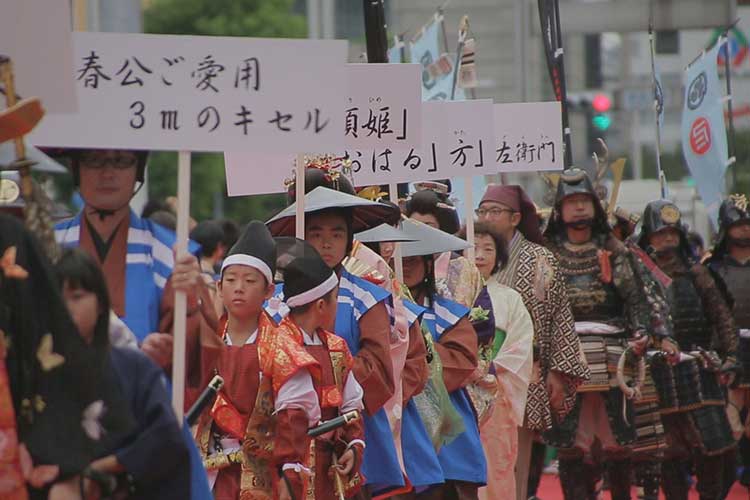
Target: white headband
x,y
313,293
248,260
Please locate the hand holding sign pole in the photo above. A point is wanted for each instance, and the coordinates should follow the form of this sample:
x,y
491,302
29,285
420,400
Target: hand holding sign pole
x,y
190,93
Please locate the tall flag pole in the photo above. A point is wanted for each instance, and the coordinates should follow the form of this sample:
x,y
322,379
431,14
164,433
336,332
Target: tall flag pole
x,y
463,30
658,110
377,52
375,31
549,18
728,74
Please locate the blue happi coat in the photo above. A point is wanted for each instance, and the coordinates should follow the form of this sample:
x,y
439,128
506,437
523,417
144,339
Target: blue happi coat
x,y
149,263
357,296
148,266
463,458
420,459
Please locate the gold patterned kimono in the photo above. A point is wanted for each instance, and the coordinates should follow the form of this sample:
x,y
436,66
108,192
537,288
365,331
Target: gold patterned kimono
x,y
533,272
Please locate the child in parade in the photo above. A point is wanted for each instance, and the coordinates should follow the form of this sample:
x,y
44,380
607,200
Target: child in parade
x,y
310,291
152,461
362,316
254,438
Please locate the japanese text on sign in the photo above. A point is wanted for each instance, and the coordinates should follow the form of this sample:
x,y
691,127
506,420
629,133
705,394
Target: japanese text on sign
x,y
528,136
457,141
383,109
202,94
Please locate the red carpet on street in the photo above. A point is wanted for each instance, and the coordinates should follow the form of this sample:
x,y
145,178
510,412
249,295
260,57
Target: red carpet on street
x,y
550,490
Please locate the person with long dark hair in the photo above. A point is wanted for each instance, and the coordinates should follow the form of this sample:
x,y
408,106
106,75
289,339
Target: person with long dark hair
x,y
51,381
152,461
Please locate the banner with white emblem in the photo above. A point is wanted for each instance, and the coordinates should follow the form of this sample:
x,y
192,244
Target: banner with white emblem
x,y
704,137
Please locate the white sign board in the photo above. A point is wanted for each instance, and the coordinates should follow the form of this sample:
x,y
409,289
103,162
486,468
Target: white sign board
x,y
257,173
383,109
528,136
36,35
457,141
166,92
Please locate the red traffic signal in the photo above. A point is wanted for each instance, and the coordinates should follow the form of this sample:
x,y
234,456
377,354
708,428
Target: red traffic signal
x,y
601,103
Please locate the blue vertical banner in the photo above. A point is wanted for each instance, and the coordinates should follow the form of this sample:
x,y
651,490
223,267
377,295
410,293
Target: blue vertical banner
x,y
704,137
437,68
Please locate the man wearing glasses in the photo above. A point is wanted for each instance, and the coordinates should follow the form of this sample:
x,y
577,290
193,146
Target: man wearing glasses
x,y
533,272
135,254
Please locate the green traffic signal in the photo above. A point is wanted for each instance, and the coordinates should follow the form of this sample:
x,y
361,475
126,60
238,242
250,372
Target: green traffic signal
x,y
602,121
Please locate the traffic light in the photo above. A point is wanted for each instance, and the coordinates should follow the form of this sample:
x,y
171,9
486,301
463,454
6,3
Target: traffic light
x,y
602,105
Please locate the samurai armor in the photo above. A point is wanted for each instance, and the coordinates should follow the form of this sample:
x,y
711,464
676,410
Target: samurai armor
x,y
737,280
591,299
650,442
713,392
618,472
602,353
679,387
647,479
713,429
744,359
674,479
692,328
620,416
578,479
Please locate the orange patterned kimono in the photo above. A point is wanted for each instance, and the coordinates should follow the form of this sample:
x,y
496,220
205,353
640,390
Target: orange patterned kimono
x,y
244,410
12,483
336,363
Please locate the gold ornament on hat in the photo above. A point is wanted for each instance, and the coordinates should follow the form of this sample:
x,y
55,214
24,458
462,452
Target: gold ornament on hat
x,y
740,201
372,193
669,214
333,166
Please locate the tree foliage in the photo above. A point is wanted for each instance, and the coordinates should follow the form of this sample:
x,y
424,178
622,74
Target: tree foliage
x,y
258,18
252,18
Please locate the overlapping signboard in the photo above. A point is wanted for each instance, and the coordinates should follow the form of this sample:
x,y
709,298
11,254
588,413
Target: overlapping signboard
x,y
528,137
165,92
458,139
36,36
383,105
383,112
